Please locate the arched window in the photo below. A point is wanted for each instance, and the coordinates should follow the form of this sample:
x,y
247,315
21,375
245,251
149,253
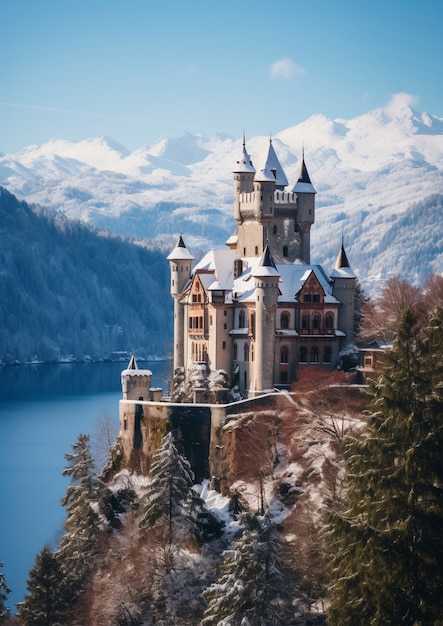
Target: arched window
x,y
235,351
246,352
316,321
327,354
303,354
252,323
305,322
284,320
241,319
314,355
329,322
284,354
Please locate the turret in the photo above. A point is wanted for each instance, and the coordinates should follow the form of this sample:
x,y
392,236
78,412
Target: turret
x,y
180,260
343,288
266,289
244,173
305,192
136,383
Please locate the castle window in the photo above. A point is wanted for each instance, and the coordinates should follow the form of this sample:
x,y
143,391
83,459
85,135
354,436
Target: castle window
x,y
275,229
285,251
303,354
225,312
284,320
327,354
305,322
329,322
316,297
125,424
252,351
316,322
210,320
225,326
307,297
224,345
284,354
314,355
246,352
241,319
235,351
252,324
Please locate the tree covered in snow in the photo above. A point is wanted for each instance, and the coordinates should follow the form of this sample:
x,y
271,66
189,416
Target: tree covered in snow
x,y
169,496
46,604
4,590
386,545
251,588
78,547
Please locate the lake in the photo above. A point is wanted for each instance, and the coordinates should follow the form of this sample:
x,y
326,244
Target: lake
x,y
43,409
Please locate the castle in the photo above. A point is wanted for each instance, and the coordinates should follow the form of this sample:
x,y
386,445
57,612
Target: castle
x,y
256,311
259,310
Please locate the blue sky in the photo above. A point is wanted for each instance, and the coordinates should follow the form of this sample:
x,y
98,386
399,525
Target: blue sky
x,y
138,70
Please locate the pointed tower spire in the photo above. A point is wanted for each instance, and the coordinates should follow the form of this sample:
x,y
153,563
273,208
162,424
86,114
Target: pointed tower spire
x,y
303,184
267,266
272,170
342,267
132,365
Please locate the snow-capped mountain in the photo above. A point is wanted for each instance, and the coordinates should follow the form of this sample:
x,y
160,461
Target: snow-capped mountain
x,y
378,179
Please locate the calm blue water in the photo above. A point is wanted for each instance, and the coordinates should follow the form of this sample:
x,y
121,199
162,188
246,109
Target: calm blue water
x,y
43,409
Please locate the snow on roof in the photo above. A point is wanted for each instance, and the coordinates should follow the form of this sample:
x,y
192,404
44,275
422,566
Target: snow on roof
x,y
220,265
244,164
180,252
136,372
342,272
272,170
304,185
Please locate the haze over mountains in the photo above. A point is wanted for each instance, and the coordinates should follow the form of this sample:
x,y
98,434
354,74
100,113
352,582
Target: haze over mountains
x,y
378,178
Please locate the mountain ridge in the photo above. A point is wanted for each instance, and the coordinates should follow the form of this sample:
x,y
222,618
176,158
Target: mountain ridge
x,y
368,172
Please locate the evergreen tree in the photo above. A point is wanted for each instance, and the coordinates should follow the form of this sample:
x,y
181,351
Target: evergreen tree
x,y
46,603
251,588
78,547
4,590
169,496
386,547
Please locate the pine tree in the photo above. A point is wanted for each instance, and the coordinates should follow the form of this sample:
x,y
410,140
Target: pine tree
x,y
78,547
4,590
251,588
169,496
46,603
386,547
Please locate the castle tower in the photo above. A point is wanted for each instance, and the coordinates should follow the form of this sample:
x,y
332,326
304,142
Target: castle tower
x,y
343,288
266,289
180,260
305,193
136,383
266,213
244,173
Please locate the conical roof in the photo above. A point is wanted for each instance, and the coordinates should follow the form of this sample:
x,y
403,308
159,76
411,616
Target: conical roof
x,y
272,170
244,164
267,266
303,184
132,365
180,252
342,267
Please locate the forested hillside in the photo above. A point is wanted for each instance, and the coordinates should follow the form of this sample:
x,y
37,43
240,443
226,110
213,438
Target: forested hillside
x,y
69,291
